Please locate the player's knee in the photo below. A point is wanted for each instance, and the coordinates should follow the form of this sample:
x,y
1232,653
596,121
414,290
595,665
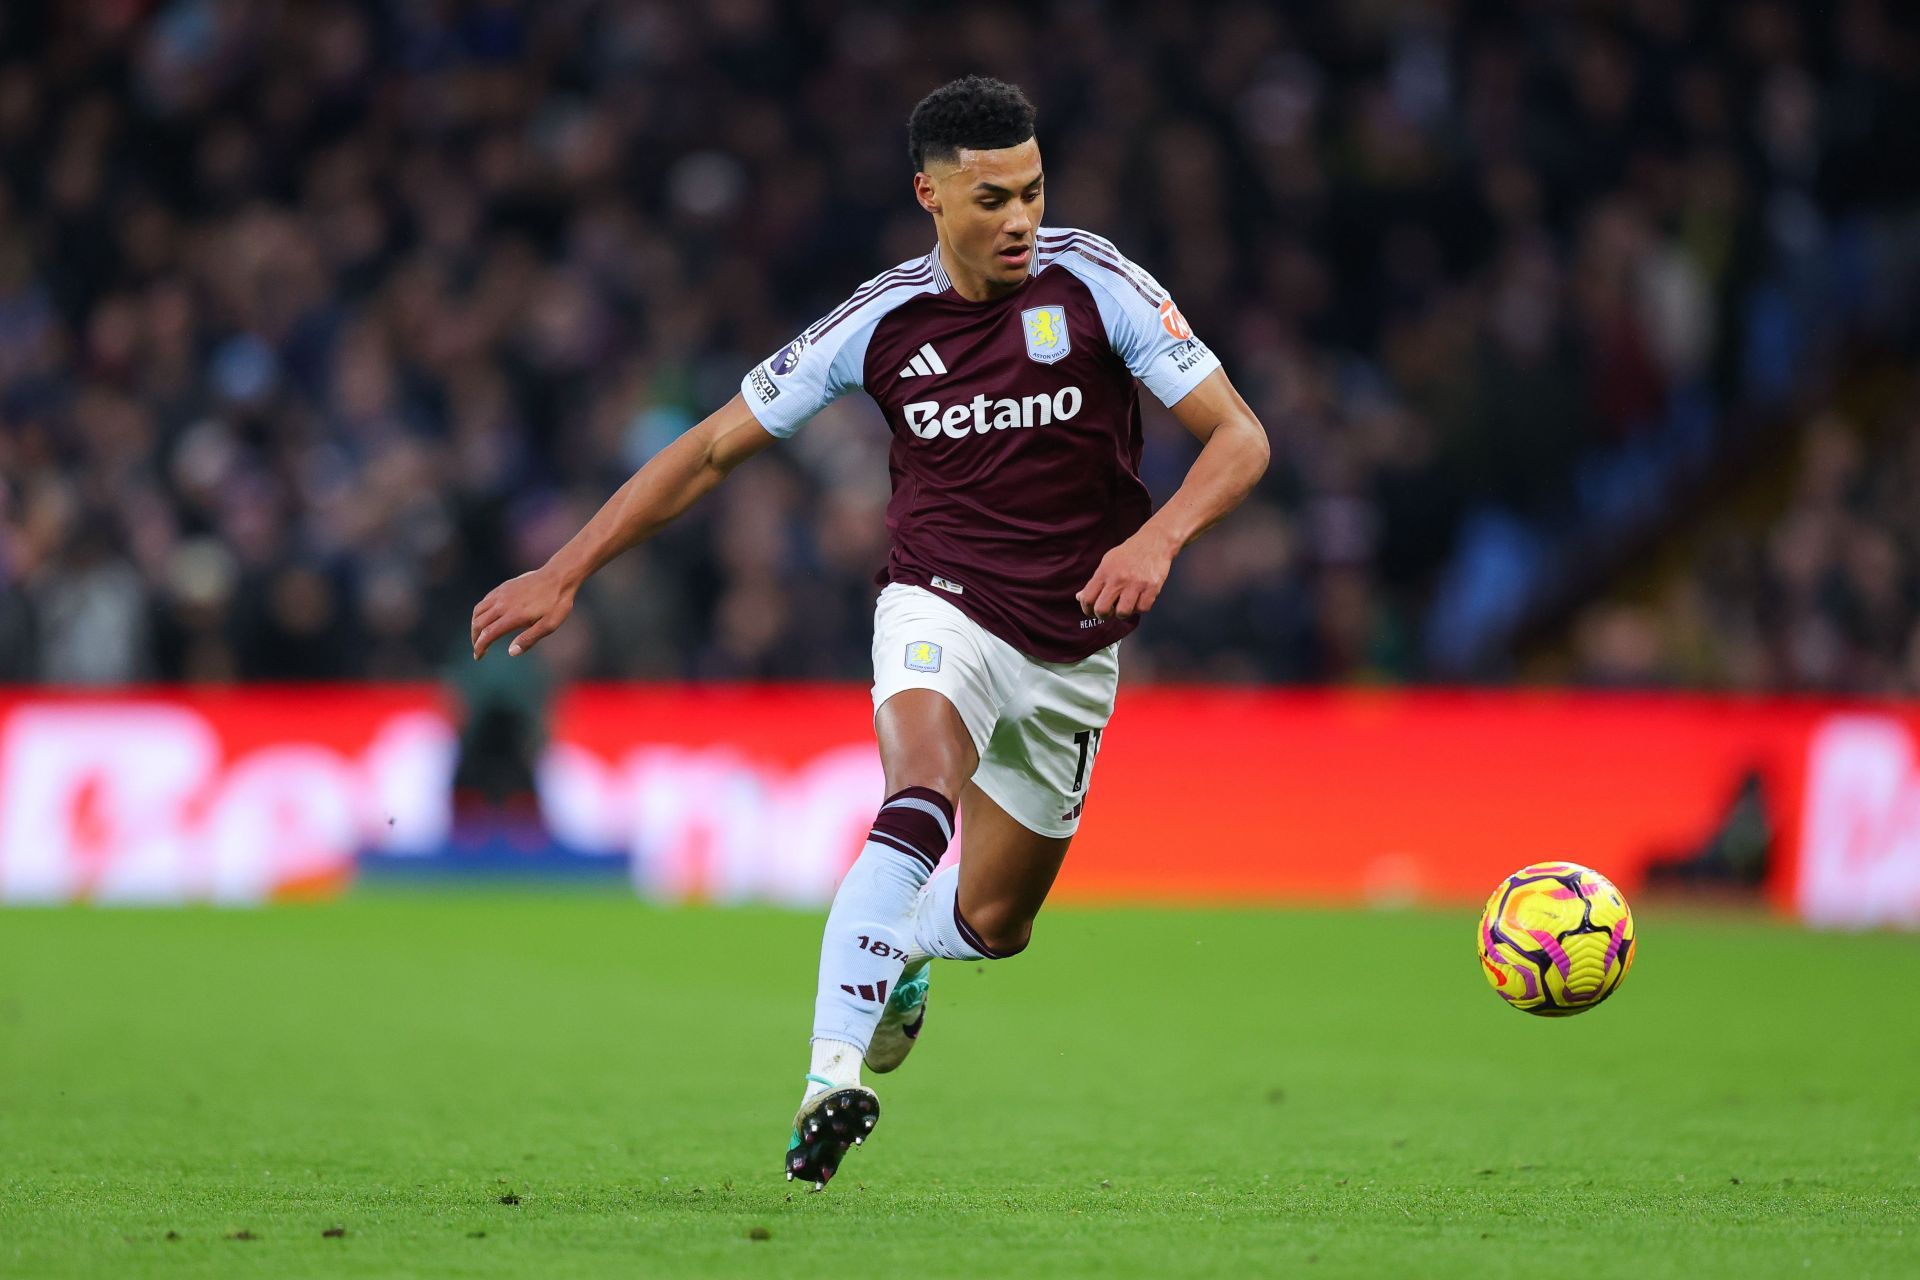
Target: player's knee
x,y
942,761
949,778
939,766
1006,930
924,743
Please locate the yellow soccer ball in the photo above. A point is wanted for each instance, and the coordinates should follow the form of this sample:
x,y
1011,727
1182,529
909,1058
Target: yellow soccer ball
x,y
1556,939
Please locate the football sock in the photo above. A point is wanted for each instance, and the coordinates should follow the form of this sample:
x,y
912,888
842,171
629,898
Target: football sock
x,y
870,927
835,1065
939,929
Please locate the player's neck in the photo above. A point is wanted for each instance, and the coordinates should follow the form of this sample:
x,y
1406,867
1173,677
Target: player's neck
x,y
970,284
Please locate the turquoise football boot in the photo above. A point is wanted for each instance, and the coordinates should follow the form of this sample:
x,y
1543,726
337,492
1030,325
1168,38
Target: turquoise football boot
x,y
901,1020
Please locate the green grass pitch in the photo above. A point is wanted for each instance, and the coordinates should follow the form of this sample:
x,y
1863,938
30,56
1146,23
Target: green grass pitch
x,y
555,1085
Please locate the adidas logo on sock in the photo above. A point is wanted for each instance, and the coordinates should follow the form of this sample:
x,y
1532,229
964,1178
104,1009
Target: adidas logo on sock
x,y
877,992
925,364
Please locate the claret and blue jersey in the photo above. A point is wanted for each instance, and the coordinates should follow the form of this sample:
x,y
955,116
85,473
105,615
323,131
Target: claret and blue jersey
x,y
1016,425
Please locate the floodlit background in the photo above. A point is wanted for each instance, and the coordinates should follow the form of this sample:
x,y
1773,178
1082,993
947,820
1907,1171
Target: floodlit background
x,y
1582,332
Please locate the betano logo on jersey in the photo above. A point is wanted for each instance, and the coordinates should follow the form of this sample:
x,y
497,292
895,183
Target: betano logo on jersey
x,y
928,418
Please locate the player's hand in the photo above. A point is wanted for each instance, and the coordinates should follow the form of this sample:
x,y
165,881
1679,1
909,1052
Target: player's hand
x,y
1129,578
533,604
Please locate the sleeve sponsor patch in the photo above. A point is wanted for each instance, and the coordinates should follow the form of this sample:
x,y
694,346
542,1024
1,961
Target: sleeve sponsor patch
x,y
1188,354
1144,325
763,385
1174,323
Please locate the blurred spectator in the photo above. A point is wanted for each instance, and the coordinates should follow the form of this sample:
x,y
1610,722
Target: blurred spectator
x,y
1823,598
318,319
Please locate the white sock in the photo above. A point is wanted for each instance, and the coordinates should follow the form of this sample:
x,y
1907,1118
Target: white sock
x,y
870,926
835,1065
938,929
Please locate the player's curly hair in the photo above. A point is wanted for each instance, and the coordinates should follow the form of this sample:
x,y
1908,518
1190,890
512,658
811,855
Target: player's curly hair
x,y
975,112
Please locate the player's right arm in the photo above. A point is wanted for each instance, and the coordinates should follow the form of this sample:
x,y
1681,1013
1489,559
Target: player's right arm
x,y
777,397
534,603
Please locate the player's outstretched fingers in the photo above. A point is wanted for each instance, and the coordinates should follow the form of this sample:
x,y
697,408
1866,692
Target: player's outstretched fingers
x,y
494,630
483,616
530,637
542,627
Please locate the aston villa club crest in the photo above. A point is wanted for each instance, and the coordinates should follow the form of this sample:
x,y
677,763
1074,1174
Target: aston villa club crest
x,y
923,655
1046,334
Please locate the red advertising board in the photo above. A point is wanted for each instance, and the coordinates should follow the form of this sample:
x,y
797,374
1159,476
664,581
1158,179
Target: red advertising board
x,y
1342,795
762,793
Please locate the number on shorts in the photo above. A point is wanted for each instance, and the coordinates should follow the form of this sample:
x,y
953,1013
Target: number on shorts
x,y
1089,742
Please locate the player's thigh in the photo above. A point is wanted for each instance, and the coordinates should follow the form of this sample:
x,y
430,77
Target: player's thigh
x,y
1006,868
924,742
937,690
1038,766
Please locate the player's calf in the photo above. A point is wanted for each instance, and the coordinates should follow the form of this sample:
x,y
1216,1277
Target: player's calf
x,y
941,928
867,943
868,937
999,930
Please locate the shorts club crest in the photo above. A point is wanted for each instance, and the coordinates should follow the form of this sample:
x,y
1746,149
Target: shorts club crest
x,y
1036,726
1047,340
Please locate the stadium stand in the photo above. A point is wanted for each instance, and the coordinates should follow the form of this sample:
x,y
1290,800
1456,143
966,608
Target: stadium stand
x,y
311,328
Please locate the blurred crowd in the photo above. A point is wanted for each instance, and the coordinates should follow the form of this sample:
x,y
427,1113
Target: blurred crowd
x,y
1824,597
317,318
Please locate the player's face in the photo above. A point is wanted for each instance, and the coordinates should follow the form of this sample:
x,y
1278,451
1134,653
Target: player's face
x,y
988,205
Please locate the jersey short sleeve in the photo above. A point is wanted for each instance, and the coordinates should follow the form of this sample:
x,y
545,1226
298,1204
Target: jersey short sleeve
x,y
829,359
804,377
1144,327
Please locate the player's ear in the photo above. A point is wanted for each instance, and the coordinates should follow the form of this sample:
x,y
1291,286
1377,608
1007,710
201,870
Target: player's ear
x,y
925,192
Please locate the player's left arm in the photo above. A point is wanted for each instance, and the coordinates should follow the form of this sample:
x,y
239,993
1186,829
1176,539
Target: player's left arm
x,y
1233,457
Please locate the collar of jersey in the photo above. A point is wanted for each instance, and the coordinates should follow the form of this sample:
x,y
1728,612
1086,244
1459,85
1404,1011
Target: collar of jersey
x,y
941,282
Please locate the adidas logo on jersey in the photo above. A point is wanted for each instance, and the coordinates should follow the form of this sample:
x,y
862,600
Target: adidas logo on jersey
x,y
927,418
925,364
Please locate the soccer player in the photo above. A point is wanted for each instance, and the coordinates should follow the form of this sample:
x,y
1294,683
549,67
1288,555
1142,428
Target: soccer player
x,y
1024,547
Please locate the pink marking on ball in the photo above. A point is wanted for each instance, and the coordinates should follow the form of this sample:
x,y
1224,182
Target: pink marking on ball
x,y
1555,952
1614,937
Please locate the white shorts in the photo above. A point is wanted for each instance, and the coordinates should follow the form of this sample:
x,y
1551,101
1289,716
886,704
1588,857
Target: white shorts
x,y
1036,725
